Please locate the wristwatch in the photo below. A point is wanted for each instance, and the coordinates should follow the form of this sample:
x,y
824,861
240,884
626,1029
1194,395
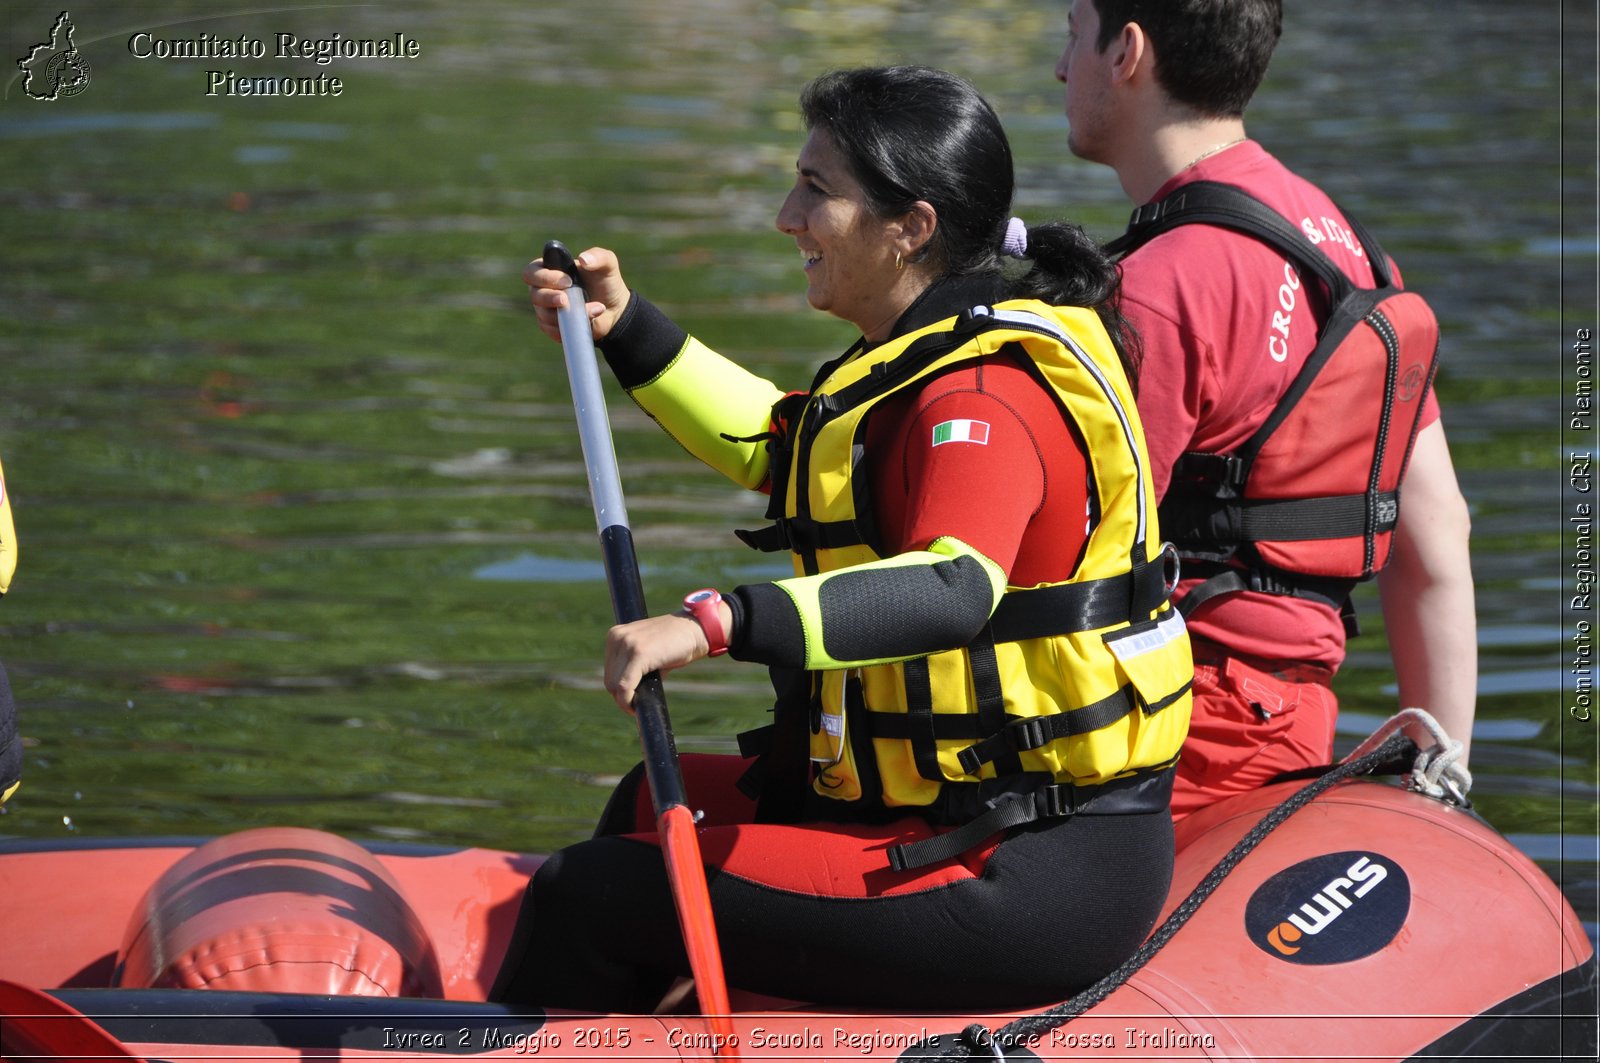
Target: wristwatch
x,y
702,605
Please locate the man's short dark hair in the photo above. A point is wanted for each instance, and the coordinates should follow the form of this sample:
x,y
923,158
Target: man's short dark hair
x,y
1210,54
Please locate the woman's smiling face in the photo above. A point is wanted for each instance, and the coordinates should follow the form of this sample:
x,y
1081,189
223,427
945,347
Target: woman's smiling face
x,y
849,252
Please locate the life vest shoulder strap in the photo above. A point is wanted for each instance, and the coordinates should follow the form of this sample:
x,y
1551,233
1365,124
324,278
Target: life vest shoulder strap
x,y
803,535
1229,206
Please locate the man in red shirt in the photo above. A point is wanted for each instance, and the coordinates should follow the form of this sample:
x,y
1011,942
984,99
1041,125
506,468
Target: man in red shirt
x,y
1157,92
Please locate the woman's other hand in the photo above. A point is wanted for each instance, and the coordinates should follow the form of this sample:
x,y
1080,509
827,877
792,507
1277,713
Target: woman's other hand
x,y
601,277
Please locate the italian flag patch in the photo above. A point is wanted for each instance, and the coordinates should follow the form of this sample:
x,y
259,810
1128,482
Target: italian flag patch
x,y
962,431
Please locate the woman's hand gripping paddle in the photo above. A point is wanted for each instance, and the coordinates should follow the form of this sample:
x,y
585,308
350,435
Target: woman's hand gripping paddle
x,y
674,821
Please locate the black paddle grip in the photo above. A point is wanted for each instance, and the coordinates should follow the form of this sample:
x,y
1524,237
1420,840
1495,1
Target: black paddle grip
x,y
556,256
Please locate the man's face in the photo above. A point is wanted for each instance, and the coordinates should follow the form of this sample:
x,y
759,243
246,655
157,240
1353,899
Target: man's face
x,y
1087,75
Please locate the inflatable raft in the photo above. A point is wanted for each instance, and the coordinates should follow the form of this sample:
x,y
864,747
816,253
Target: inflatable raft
x,y
1374,923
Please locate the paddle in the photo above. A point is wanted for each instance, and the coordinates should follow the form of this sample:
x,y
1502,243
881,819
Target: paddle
x,y
35,1025
674,821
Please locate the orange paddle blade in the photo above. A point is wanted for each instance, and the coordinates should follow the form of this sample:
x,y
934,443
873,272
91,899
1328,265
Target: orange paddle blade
x,y
686,871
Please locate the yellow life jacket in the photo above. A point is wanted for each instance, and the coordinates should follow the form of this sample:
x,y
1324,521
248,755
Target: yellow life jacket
x,y
1075,691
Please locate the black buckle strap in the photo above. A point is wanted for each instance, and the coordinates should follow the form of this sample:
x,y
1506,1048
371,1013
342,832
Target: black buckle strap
x,y
1133,795
804,537
1209,470
1227,579
1022,735
1011,810
1150,213
756,741
1040,612
768,540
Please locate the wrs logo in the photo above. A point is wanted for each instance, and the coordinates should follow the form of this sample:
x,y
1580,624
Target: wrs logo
x,y
1329,909
55,69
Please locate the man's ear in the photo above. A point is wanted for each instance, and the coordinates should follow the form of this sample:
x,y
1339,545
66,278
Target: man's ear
x,y
1130,53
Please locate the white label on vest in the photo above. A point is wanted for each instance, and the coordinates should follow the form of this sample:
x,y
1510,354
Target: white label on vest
x,y
1138,641
833,726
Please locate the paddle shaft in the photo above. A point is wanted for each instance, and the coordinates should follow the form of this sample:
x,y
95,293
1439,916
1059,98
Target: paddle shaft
x,y
649,701
616,536
680,845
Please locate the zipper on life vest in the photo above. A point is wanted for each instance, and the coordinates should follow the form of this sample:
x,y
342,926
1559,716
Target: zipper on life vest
x,y
1391,343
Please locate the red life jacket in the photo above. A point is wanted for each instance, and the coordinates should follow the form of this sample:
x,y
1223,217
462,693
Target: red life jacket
x,y
1308,505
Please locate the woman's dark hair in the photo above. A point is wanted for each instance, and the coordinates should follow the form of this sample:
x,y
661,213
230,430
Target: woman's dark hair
x,y
912,133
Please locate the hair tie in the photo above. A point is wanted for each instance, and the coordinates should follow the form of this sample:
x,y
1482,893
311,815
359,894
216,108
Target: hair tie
x,y
1016,241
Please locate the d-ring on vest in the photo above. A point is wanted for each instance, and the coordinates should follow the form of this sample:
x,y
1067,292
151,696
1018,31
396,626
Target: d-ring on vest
x,y
1076,695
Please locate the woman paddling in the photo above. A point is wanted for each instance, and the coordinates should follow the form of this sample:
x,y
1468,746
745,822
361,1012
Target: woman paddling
x,y
963,797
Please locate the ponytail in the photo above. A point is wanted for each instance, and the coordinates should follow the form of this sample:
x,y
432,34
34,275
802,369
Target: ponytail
x,y
1067,268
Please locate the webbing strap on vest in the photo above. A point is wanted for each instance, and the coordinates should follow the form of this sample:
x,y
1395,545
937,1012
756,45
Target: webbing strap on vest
x,y
1017,735
1216,203
922,723
801,537
1221,579
990,696
1204,504
1035,731
1329,517
1065,608
1134,795
756,741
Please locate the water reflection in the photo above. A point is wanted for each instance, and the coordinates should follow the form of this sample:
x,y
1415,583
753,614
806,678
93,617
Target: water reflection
x,y
535,569
64,124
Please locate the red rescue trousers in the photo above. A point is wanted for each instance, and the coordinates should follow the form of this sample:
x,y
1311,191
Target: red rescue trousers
x,y
1252,721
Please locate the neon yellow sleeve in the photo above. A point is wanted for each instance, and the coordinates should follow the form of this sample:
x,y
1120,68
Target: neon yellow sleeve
x,y
701,399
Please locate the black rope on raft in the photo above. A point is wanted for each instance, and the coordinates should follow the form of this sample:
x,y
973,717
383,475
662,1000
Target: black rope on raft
x,y
1393,756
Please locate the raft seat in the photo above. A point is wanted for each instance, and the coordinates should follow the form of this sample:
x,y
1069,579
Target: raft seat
x,y
278,909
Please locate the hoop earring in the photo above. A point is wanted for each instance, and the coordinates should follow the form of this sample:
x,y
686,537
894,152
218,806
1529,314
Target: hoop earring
x,y
899,263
